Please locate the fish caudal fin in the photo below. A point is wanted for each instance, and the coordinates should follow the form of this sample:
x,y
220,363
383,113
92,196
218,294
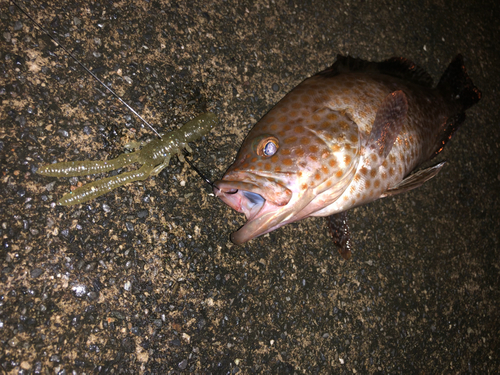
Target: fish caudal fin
x,y
456,86
458,89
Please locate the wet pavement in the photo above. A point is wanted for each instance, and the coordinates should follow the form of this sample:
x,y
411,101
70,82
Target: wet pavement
x,y
145,279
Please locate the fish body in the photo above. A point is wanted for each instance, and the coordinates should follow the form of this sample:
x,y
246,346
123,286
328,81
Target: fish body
x,y
345,137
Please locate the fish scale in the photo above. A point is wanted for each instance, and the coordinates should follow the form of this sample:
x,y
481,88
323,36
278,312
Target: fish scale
x,y
344,137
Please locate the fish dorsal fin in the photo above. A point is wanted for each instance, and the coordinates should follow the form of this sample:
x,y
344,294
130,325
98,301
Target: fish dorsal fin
x,y
398,67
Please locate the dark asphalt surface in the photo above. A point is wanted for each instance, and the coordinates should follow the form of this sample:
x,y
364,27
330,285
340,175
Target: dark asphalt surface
x,y
145,279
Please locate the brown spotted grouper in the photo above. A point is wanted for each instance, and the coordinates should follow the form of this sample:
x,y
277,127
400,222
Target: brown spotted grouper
x,y
347,136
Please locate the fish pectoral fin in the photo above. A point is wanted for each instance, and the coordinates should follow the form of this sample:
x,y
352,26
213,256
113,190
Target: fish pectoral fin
x,y
339,229
388,123
414,180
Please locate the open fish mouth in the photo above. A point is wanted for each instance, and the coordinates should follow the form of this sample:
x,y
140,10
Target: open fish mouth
x,y
263,208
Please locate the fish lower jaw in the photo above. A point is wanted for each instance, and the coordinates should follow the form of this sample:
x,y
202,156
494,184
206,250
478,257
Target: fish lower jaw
x,y
255,227
258,212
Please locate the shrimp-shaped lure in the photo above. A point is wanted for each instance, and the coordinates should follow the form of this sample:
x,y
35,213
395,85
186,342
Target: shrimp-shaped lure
x,y
154,157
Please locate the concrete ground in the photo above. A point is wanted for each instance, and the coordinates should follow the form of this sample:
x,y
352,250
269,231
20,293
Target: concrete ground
x,y
145,279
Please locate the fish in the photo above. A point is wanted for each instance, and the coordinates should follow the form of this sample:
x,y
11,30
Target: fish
x,y
347,136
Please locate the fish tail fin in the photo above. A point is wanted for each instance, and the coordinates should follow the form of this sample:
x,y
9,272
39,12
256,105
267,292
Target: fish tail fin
x,y
459,91
456,86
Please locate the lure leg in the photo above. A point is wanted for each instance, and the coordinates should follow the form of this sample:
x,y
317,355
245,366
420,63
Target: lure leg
x,y
86,167
160,167
97,188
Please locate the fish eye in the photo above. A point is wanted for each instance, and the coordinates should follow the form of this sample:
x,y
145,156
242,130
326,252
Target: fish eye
x,y
268,147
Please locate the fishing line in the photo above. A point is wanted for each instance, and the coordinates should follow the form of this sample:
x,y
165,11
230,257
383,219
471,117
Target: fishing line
x,y
85,68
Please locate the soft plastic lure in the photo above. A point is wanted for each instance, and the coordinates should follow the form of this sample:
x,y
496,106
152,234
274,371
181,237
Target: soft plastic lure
x,y
154,157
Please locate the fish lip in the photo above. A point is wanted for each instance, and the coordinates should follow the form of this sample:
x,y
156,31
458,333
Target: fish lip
x,y
238,196
259,206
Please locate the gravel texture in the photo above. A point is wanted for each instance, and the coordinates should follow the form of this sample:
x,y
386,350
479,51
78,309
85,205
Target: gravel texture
x,y
145,279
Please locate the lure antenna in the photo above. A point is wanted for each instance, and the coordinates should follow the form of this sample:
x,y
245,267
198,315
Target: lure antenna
x,y
85,68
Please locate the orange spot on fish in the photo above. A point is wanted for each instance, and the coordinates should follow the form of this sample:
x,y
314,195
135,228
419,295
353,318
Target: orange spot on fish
x,y
347,159
332,163
290,140
344,125
305,140
287,161
313,149
317,176
298,129
339,173
267,167
274,158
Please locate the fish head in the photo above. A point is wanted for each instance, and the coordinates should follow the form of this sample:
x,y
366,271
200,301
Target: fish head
x,y
292,164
